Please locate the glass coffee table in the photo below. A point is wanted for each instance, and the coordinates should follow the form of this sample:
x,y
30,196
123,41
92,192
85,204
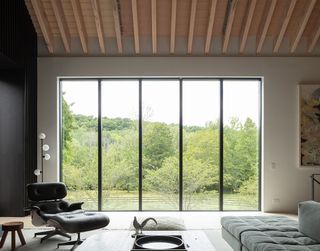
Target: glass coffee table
x,y
121,240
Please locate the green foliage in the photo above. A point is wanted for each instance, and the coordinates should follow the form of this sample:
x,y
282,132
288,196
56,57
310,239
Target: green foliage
x,y
68,120
157,144
120,154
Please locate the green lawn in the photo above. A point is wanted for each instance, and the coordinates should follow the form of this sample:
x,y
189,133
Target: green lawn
x,y
122,200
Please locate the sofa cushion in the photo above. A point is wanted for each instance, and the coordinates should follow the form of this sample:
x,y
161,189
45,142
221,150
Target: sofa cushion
x,y
277,240
268,233
309,219
237,225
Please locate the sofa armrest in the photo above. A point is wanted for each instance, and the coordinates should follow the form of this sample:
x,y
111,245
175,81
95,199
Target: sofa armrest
x,y
75,206
309,219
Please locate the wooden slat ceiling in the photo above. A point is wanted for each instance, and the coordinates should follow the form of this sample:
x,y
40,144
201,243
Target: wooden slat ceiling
x,y
177,27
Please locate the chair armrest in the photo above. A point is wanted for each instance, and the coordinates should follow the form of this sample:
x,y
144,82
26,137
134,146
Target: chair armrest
x,y
32,208
75,206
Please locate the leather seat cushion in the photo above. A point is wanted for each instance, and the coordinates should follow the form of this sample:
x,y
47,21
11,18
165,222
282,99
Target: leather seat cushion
x,y
79,221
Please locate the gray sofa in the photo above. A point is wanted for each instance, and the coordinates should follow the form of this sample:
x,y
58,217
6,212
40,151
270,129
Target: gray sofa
x,y
272,233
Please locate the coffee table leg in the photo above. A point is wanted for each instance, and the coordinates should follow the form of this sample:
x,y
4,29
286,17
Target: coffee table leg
x,y
3,239
22,240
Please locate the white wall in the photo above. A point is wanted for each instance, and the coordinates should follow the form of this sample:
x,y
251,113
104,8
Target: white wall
x,y
284,186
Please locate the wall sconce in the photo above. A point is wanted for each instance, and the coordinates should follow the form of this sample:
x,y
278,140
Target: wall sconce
x,y
44,148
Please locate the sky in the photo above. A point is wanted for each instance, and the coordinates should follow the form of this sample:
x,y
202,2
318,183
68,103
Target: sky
x,y
160,99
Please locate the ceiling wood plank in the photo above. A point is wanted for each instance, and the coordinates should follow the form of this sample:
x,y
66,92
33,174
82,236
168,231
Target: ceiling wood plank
x,y
226,37
303,25
314,40
135,26
63,29
266,25
246,28
191,25
117,28
43,23
210,26
154,25
98,22
284,25
76,8
173,26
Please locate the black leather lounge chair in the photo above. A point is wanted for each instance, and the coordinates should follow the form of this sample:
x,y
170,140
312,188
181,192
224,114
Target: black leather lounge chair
x,y
49,208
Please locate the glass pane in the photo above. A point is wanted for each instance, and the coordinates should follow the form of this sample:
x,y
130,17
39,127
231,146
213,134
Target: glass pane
x,y
120,145
80,141
201,111
241,144
160,143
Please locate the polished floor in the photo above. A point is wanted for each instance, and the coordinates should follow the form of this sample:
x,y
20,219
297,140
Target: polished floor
x,y
209,222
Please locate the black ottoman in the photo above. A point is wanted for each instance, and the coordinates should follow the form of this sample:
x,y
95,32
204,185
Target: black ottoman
x,y
78,222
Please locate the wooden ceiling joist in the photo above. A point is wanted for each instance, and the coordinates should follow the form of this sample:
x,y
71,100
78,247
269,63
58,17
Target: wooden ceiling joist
x,y
154,25
230,19
135,26
284,25
43,23
63,29
247,25
266,25
173,26
303,25
76,8
186,20
192,22
210,26
98,21
117,26
314,40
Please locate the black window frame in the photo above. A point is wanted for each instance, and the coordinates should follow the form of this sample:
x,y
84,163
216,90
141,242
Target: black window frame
x,y
221,124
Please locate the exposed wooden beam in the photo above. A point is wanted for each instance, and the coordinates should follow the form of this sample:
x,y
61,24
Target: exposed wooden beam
x,y
192,22
135,26
98,22
266,25
303,25
154,25
63,29
284,25
43,23
314,39
227,33
246,28
210,26
173,26
117,28
76,8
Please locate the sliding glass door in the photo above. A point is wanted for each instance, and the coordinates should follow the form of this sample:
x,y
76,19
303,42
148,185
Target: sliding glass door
x,y
241,144
161,144
120,144
201,112
79,141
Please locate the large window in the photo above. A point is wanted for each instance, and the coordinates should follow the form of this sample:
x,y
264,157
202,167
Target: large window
x,y
162,144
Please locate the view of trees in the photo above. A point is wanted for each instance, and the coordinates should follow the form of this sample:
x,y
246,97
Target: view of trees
x,y
160,159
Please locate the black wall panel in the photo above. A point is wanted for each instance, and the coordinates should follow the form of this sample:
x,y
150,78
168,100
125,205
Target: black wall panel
x,y
18,106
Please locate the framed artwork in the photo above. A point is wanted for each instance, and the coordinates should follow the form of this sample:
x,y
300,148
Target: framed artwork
x,y
309,125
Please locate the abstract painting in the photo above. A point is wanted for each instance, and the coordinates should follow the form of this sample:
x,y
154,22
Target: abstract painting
x,y
310,125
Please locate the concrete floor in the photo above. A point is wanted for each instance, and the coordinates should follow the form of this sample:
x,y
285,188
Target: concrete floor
x,y
209,222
